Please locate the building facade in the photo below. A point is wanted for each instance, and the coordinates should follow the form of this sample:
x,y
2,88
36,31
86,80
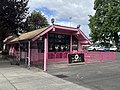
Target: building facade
x,y
49,44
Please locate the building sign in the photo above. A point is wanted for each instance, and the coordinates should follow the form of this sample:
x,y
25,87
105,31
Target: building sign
x,y
74,58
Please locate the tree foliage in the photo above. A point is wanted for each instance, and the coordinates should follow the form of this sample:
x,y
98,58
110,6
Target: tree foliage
x,y
105,24
12,14
35,21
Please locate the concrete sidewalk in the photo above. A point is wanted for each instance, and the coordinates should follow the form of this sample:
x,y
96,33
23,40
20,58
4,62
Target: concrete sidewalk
x,y
18,78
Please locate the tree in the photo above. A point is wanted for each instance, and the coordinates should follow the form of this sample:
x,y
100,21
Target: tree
x,y
35,21
105,24
12,14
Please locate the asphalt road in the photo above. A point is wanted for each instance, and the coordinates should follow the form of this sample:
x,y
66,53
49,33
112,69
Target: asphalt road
x,y
104,76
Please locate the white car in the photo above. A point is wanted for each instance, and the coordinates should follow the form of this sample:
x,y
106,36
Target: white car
x,y
113,48
104,48
94,48
101,49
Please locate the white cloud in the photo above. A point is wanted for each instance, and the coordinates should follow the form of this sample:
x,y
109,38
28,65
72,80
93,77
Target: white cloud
x,y
77,9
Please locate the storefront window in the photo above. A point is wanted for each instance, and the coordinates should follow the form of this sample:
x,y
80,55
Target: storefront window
x,y
74,43
24,46
58,42
40,45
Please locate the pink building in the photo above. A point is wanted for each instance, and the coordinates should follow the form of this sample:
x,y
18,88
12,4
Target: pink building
x,y
49,44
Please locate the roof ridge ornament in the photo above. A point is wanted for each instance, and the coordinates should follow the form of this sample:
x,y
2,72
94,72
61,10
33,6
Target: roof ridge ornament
x,y
78,26
52,21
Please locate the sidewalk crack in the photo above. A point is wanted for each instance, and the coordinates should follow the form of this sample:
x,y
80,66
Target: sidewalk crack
x,y
8,80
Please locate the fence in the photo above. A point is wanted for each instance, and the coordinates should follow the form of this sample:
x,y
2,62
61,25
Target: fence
x,y
89,57
54,57
99,56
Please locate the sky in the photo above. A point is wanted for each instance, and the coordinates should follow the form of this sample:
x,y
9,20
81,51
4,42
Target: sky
x,y
66,12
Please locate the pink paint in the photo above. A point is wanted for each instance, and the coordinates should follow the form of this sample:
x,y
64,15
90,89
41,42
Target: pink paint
x,y
10,50
42,33
47,46
17,55
19,51
61,32
89,57
84,37
70,43
29,54
57,57
34,52
41,56
67,59
45,53
34,56
47,30
79,46
55,61
66,28
60,29
23,55
52,55
12,47
4,46
108,56
86,42
53,29
99,56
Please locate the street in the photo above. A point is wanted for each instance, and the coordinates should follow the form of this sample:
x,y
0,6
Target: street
x,y
104,76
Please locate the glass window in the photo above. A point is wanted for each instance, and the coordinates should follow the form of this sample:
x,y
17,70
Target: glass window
x,y
74,43
58,42
40,45
24,46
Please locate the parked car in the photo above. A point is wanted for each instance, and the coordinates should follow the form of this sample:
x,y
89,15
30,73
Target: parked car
x,y
104,48
113,48
94,48
98,48
101,49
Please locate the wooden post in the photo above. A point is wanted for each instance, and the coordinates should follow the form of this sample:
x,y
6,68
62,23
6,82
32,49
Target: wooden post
x,y
45,53
12,51
70,43
29,54
47,46
19,53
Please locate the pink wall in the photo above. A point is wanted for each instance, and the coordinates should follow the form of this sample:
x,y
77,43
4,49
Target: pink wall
x,y
79,46
14,52
23,54
35,55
